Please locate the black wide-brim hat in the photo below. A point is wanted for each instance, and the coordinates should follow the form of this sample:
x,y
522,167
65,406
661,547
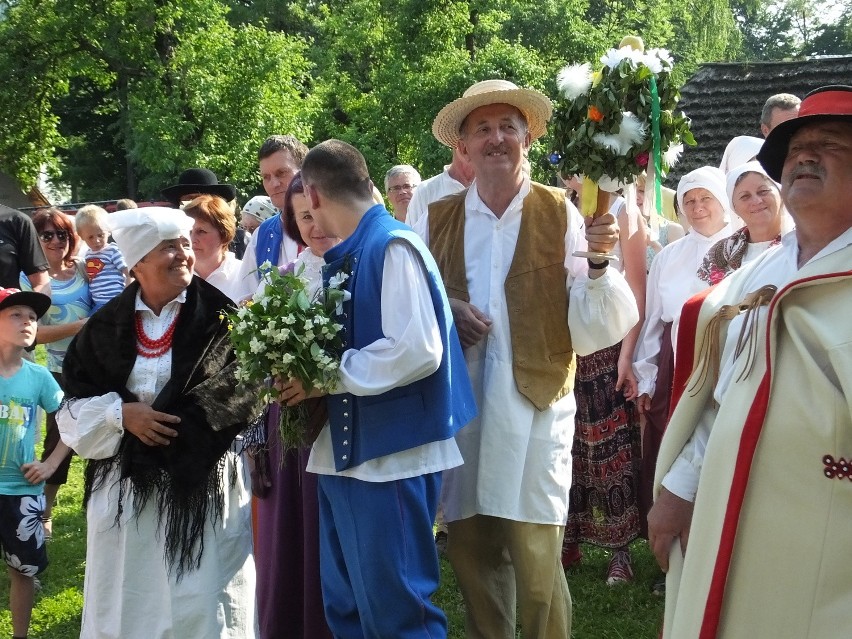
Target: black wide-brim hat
x,y
829,103
202,181
39,302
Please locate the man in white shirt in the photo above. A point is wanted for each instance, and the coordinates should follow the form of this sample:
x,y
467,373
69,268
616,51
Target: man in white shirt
x,y
401,182
753,471
403,393
456,177
505,250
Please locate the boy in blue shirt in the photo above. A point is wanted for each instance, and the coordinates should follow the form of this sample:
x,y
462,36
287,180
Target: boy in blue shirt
x,y
24,386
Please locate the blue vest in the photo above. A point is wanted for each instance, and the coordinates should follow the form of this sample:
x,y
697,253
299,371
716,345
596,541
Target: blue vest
x,y
428,410
270,234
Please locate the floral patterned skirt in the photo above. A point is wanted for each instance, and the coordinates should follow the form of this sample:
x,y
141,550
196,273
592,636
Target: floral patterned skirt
x,y
603,508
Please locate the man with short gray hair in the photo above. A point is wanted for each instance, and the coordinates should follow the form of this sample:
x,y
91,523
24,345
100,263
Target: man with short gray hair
x,y
400,182
777,109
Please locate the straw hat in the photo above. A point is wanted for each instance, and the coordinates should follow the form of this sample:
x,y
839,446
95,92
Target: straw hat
x,y
535,106
830,103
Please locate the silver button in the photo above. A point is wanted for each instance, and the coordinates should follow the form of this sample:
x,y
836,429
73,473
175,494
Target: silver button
x,y
345,442
345,457
345,428
346,414
345,400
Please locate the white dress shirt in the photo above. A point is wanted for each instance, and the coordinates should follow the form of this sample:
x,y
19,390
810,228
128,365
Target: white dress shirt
x,y
226,275
248,276
431,190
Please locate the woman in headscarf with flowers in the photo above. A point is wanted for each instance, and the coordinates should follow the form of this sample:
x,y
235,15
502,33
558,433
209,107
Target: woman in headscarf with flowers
x,y
152,406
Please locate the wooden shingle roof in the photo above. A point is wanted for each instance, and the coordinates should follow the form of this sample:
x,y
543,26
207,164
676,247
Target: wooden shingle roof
x,y
724,100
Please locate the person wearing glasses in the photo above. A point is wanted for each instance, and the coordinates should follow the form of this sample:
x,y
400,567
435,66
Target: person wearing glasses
x,y
70,306
400,182
20,251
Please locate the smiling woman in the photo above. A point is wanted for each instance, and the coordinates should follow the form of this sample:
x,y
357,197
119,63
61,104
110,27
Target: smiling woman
x,y
155,411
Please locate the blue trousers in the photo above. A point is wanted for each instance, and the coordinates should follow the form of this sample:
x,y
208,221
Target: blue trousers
x,y
378,563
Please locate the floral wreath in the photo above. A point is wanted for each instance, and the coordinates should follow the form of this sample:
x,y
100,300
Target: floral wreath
x,y
609,125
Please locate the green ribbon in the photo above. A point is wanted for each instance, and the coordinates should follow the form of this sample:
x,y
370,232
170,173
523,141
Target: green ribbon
x,y
655,136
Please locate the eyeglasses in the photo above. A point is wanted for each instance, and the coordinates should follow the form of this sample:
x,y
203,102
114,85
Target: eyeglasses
x,y
47,236
399,188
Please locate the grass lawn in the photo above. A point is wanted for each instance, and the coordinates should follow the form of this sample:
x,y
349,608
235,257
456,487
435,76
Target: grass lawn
x,y
600,611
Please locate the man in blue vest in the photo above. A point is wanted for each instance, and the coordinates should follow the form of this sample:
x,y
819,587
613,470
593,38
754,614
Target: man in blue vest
x,y
403,394
279,160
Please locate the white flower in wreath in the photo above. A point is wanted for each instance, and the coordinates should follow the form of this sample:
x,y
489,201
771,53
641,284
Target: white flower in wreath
x,y
574,80
663,56
32,509
15,563
309,335
614,57
289,319
287,358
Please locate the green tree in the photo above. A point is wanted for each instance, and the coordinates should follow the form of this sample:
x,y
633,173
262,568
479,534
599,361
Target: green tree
x,y
167,83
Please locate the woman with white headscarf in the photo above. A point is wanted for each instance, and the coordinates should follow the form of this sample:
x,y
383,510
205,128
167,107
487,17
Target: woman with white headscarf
x,y
755,198
154,406
672,280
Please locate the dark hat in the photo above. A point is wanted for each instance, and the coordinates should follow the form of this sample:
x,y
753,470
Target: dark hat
x,y
820,105
202,181
39,302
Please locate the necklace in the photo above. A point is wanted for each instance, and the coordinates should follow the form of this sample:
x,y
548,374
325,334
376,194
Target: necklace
x,y
151,348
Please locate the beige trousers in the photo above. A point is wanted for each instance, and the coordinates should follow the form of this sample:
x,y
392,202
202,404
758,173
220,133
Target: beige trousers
x,y
500,564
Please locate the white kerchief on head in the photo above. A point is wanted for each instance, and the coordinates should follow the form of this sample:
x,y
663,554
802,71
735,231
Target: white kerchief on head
x,y
735,174
138,231
740,150
705,177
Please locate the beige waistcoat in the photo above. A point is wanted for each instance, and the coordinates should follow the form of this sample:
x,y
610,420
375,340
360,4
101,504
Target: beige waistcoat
x,y
536,296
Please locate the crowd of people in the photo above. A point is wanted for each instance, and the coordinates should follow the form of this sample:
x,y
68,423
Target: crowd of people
x,y
508,390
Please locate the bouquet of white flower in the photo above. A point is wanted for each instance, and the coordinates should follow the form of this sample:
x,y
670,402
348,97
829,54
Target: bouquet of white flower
x,y
284,332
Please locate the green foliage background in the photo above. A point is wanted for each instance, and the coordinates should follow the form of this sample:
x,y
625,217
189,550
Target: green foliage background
x,y
115,98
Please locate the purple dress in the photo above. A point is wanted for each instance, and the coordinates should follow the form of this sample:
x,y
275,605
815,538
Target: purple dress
x,y
289,597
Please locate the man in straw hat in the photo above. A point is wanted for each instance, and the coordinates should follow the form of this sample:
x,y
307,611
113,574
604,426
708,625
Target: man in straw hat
x,y
754,469
504,247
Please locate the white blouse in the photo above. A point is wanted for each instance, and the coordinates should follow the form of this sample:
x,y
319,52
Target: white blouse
x,y
672,280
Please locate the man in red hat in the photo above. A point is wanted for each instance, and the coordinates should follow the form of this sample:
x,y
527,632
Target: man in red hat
x,y
755,466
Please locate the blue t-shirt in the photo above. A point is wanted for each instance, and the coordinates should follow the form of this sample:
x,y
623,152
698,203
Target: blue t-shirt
x,y
32,386
70,300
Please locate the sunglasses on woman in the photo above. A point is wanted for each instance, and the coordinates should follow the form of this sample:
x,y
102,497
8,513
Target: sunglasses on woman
x,y
47,236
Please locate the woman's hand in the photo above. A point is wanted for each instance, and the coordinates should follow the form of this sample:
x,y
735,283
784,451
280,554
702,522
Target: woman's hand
x,y
626,381
147,424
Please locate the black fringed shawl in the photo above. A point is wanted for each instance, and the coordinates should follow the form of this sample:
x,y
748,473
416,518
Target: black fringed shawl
x,y
185,478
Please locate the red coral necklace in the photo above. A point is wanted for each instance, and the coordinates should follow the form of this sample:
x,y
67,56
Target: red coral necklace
x,y
150,348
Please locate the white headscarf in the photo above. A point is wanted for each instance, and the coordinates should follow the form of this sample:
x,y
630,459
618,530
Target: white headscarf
x,y
705,177
755,167
138,231
740,150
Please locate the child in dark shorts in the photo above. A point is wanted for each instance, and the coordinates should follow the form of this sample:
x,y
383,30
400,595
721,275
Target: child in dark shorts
x,y
24,386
